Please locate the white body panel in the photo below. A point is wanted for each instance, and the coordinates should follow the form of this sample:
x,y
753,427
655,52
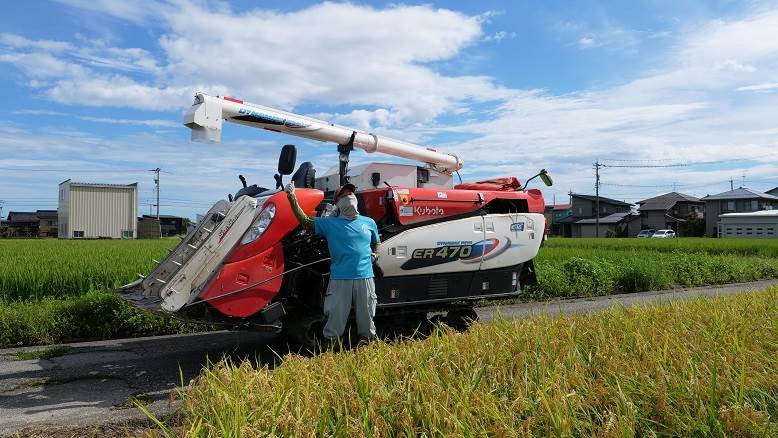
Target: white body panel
x,y
480,242
519,234
206,115
397,252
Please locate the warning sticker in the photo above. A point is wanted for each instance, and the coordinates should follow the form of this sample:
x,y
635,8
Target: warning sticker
x,y
403,191
442,195
406,210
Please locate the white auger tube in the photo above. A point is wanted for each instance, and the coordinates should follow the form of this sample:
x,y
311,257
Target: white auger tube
x,y
205,117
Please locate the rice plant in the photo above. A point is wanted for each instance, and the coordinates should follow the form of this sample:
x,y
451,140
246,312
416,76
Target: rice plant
x,y
706,367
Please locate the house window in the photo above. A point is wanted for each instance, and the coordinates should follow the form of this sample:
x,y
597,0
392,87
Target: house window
x,y
78,234
52,223
580,211
754,204
730,205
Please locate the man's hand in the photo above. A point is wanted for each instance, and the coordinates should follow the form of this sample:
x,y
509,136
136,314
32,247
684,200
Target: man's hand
x,y
373,257
289,189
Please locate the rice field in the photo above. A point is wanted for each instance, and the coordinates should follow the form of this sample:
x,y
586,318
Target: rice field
x,y
46,284
706,367
33,268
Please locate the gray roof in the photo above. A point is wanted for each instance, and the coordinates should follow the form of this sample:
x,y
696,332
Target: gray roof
x,y
602,199
773,191
612,218
46,213
763,213
22,216
88,184
740,193
666,201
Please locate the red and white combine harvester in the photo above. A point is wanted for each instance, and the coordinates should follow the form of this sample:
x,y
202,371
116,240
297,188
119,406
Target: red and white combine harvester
x,y
249,264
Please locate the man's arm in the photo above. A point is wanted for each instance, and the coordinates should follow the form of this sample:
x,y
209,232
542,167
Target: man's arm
x,y
374,240
303,218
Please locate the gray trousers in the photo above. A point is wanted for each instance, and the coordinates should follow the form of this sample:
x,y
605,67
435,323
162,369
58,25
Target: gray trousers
x,y
341,294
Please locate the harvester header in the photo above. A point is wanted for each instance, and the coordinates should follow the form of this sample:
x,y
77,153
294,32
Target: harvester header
x,y
205,118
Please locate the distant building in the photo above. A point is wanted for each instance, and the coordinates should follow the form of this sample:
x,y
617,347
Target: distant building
x,y
22,224
666,212
47,223
148,228
616,218
755,225
555,213
169,225
91,211
740,200
41,223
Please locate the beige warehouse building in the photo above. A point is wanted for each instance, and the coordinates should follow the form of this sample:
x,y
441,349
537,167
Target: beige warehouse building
x,y
91,211
753,225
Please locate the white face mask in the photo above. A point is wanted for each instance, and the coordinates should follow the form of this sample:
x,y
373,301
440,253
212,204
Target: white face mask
x,y
347,207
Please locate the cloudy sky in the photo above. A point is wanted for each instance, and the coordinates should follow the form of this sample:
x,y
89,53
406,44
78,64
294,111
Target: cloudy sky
x,y
94,90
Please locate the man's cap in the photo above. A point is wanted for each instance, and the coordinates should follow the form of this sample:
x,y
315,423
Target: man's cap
x,y
347,186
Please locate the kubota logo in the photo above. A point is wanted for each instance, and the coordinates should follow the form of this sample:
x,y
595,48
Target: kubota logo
x,y
428,211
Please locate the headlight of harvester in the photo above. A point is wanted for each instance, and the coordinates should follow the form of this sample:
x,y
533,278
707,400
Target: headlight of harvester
x,y
260,224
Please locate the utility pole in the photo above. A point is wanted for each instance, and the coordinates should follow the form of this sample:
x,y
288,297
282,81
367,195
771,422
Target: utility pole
x,y
731,184
597,166
156,182
1,208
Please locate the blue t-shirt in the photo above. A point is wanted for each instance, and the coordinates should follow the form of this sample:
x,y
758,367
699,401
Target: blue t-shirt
x,y
349,243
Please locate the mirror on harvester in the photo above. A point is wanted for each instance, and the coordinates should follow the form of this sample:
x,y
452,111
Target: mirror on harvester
x,y
546,178
287,159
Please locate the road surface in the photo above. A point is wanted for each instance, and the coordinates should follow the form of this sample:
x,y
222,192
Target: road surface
x,y
94,383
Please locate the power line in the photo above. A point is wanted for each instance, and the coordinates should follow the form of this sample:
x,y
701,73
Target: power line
x,y
31,169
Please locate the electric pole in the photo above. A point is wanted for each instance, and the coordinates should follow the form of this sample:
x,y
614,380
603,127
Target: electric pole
x,y
1,208
731,184
156,182
597,166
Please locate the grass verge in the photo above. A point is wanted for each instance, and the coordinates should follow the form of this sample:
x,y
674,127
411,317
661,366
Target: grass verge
x,y
46,353
93,315
705,367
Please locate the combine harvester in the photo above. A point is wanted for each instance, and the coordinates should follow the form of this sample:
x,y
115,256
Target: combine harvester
x,y
249,264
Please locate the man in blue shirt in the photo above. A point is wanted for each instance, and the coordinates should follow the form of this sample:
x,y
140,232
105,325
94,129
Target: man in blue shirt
x,y
353,241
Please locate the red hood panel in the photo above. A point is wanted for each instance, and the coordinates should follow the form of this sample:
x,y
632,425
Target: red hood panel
x,y
241,274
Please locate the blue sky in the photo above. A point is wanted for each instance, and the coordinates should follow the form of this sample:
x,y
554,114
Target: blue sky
x,y
94,90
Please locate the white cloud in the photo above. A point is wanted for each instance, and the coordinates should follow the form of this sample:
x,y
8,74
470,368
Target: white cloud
x,y
586,42
151,123
137,11
338,53
769,86
499,36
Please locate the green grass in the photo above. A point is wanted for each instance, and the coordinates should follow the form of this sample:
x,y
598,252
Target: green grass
x,y
46,353
91,316
574,267
706,367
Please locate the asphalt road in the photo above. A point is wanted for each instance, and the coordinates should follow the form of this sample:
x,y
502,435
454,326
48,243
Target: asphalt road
x,y
95,382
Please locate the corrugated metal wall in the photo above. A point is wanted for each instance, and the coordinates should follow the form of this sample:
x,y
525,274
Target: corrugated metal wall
x,y
103,212
63,211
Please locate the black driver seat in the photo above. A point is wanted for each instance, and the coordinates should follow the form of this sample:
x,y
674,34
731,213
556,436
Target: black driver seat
x,y
305,176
